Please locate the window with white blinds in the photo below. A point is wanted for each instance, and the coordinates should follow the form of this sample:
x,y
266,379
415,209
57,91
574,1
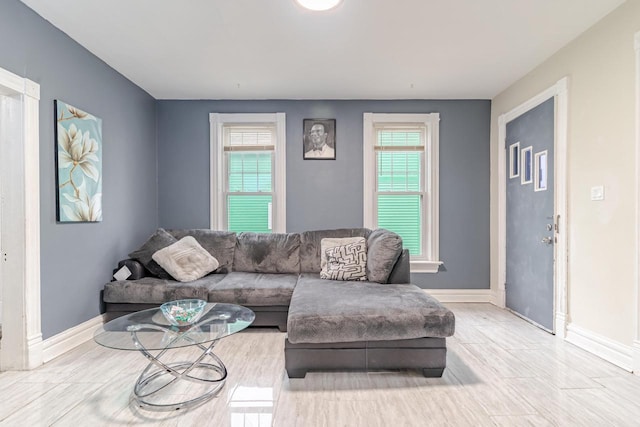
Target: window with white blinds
x,y
401,153
248,172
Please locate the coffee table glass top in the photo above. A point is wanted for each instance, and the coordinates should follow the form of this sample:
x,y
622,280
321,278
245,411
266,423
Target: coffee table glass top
x,y
154,332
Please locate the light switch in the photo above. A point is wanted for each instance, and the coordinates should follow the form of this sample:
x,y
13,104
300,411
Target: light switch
x,y
597,193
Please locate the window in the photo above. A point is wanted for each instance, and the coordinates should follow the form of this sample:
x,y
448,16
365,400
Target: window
x,y
401,182
248,172
541,171
527,166
514,160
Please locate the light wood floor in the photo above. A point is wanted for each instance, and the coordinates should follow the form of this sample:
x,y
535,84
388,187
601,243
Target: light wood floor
x,y
501,371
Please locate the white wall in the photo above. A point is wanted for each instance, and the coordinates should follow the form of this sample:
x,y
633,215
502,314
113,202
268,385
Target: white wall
x,y
600,65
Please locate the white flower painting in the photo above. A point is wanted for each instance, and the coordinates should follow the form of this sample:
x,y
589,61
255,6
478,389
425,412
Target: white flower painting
x,y
79,164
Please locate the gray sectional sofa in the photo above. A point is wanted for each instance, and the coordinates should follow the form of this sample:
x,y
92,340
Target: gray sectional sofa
x,y
382,323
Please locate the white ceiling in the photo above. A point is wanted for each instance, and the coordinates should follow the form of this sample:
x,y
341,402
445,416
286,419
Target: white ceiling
x,y
364,49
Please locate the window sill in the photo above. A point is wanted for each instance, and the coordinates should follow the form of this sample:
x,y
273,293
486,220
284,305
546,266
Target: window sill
x,y
425,266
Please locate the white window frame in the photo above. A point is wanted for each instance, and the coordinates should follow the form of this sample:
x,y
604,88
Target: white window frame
x,y
536,171
429,262
217,122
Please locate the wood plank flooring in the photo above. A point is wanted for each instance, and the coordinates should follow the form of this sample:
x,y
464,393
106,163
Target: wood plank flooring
x,y
501,371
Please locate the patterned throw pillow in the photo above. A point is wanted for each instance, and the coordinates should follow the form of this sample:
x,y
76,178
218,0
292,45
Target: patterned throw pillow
x,y
345,262
186,260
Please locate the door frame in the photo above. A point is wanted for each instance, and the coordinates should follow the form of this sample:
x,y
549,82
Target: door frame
x,y
559,91
636,341
20,231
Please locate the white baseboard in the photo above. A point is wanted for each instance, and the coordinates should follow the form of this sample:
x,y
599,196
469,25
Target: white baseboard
x,y
462,295
611,351
636,357
70,339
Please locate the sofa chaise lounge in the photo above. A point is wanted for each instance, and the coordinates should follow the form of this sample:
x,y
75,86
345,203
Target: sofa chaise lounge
x,y
383,322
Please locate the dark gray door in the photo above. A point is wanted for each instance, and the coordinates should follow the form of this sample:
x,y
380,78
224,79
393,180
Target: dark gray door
x,y
530,215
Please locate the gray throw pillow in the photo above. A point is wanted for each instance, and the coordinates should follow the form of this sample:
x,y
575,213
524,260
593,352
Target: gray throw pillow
x,y
158,240
186,260
383,249
343,258
220,244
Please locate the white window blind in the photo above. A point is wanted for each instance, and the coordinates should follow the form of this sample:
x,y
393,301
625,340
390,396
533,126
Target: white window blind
x,y
400,194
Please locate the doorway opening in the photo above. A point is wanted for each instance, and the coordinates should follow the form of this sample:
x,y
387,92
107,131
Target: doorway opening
x,y
21,344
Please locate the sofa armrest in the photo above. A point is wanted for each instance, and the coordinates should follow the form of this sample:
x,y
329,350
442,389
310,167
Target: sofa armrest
x,y
137,269
401,272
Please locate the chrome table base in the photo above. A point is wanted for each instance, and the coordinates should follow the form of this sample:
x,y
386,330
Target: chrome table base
x,y
158,383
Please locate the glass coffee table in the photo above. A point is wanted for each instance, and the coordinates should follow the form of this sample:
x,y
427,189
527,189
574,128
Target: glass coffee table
x,y
167,384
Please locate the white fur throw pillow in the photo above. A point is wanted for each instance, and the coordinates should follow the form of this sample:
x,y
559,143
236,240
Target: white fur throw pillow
x,y
186,260
343,259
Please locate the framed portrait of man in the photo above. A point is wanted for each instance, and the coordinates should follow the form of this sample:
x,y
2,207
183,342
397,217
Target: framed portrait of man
x,y
319,142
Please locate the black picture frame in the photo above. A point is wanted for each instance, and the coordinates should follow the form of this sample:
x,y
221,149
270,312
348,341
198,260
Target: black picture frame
x,y
315,146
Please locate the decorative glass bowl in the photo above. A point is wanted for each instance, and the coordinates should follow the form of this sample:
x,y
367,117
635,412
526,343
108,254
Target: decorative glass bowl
x,y
183,312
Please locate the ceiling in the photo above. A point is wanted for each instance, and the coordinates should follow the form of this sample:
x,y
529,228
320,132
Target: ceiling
x,y
363,49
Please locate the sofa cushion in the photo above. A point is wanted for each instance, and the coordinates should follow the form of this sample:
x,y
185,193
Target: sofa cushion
x,y
383,249
325,311
186,260
220,244
267,253
158,240
151,290
310,245
344,259
254,289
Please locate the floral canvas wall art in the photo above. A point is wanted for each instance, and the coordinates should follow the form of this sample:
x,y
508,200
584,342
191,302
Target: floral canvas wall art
x,y
78,137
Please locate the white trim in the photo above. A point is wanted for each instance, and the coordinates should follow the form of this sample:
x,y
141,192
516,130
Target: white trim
x,y
11,83
430,261
560,92
636,359
425,266
499,287
280,225
216,169
561,196
611,351
67,340
20,228
561,322
462,295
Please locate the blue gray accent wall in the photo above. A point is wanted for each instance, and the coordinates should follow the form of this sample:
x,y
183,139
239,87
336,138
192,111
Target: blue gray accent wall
x,y
328,194
77,259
